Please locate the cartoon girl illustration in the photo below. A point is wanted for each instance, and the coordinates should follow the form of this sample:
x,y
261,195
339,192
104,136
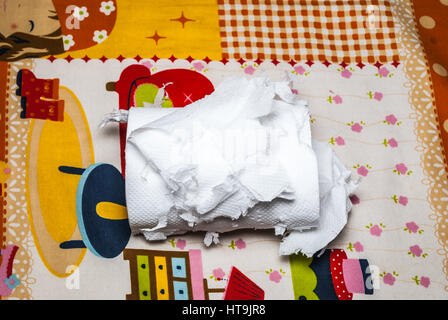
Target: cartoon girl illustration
x,y
37,28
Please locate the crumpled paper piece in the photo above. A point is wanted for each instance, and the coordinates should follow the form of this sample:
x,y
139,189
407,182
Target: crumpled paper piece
x,y
335,187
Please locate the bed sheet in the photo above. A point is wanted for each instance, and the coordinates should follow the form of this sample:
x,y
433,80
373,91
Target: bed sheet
x,y
374,73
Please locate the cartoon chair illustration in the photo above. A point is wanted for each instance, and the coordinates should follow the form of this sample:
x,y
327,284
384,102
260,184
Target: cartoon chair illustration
x,y
62,139
100,210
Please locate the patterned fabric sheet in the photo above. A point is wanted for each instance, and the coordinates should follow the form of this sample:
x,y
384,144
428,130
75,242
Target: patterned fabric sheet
x,y
375,95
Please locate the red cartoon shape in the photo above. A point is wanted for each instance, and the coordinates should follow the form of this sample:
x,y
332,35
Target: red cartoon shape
x,y
240,287
337,257
8,280
182,86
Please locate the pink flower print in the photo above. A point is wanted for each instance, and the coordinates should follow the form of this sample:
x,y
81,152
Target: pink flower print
x,y
219,274
358,246
354,199
11,283
383,72
181,243
378,96
240,244
356,127
337,99
391,119
376,230
249,70
6,171
416,251
412,227
299,70
389,279
295,91
403,200
401,168
425,281
339,141
198,66
275,276
363,171
392,142
346,74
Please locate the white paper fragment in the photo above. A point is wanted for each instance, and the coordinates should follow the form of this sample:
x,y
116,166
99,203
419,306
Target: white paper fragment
x,y
335,187
120,116
211,237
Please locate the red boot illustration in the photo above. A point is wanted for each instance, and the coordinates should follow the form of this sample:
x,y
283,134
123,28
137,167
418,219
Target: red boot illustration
x,y
39,97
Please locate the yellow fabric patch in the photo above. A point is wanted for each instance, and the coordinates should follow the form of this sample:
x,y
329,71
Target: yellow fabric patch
x,y
51,194
59,145
161,28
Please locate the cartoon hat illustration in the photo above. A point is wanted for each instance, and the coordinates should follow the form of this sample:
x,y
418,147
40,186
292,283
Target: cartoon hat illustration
x,y
85,23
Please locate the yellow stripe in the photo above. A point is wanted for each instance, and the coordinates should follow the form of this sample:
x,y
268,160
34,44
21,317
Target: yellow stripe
x,y
161,278
111,211
144,286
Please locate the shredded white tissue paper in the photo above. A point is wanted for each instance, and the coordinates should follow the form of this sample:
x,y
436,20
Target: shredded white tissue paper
x,y
241,157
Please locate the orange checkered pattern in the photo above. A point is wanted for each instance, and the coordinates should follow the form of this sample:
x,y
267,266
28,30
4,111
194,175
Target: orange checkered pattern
x,y
338,31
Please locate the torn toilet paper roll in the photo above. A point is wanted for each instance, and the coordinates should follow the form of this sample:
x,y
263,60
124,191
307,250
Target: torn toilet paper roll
x,y
211,166
239,158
